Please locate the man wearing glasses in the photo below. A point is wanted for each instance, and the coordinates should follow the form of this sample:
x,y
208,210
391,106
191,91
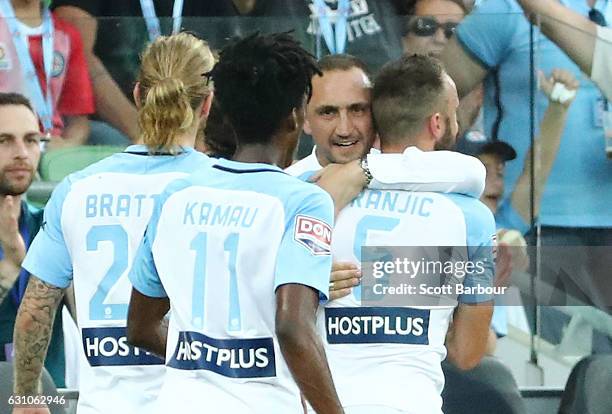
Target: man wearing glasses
x,y
430,24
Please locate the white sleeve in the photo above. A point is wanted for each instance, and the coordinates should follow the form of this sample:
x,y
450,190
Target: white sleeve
x,y
602,61
437,171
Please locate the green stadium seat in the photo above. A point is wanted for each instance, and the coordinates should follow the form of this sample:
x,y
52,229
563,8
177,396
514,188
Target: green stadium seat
x,y
57,164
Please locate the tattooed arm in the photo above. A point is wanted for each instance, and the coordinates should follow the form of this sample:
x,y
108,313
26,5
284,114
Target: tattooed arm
x,y
33,328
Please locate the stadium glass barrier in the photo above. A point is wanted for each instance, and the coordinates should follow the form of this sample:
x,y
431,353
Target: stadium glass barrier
x,y
544,339
575,210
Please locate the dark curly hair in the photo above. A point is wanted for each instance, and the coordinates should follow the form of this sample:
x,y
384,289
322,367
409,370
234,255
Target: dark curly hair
x,y
259,80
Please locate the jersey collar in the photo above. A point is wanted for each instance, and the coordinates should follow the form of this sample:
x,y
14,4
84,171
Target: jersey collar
x,y
140,149
245,167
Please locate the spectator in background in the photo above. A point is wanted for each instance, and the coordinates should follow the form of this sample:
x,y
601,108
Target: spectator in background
x,y
114,33
370,28
364,28
53,76
585,40
20,222
490,387
495,154
492,44
428,26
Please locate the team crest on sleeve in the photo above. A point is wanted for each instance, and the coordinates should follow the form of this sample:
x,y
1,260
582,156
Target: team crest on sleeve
x,y
313,234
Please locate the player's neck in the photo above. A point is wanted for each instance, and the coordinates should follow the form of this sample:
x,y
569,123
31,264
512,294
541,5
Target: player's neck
x,y
186,139
28,12
260,153
323,161
400,146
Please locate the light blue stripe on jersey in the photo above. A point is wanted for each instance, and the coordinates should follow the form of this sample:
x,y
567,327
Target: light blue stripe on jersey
x,y
480,232
305,176
48,257
295,263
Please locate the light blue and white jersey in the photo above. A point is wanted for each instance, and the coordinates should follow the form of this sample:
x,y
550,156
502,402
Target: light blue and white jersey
x,y
413,170
218,246
391,356
93,225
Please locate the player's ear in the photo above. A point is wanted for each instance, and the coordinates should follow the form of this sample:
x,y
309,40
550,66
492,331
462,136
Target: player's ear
x,y
307,128
296,120
207,104
376,142
435,125
136,94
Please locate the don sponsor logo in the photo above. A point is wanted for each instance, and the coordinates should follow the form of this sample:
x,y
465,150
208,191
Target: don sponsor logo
x,y
108,346
234,358
377,325
313,234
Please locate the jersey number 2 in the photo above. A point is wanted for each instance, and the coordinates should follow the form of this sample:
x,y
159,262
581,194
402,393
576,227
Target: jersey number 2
x,y
115,234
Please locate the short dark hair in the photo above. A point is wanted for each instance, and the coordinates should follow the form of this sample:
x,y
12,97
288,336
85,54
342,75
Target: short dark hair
x,y
342,62
406,92
408,7
259,80
13,98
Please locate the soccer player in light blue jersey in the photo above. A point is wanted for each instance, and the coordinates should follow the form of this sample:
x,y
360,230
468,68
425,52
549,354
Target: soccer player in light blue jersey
x,y
93,225
387,360
240,254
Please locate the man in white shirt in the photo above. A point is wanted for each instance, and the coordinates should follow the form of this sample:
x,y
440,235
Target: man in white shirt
x,y
339,114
